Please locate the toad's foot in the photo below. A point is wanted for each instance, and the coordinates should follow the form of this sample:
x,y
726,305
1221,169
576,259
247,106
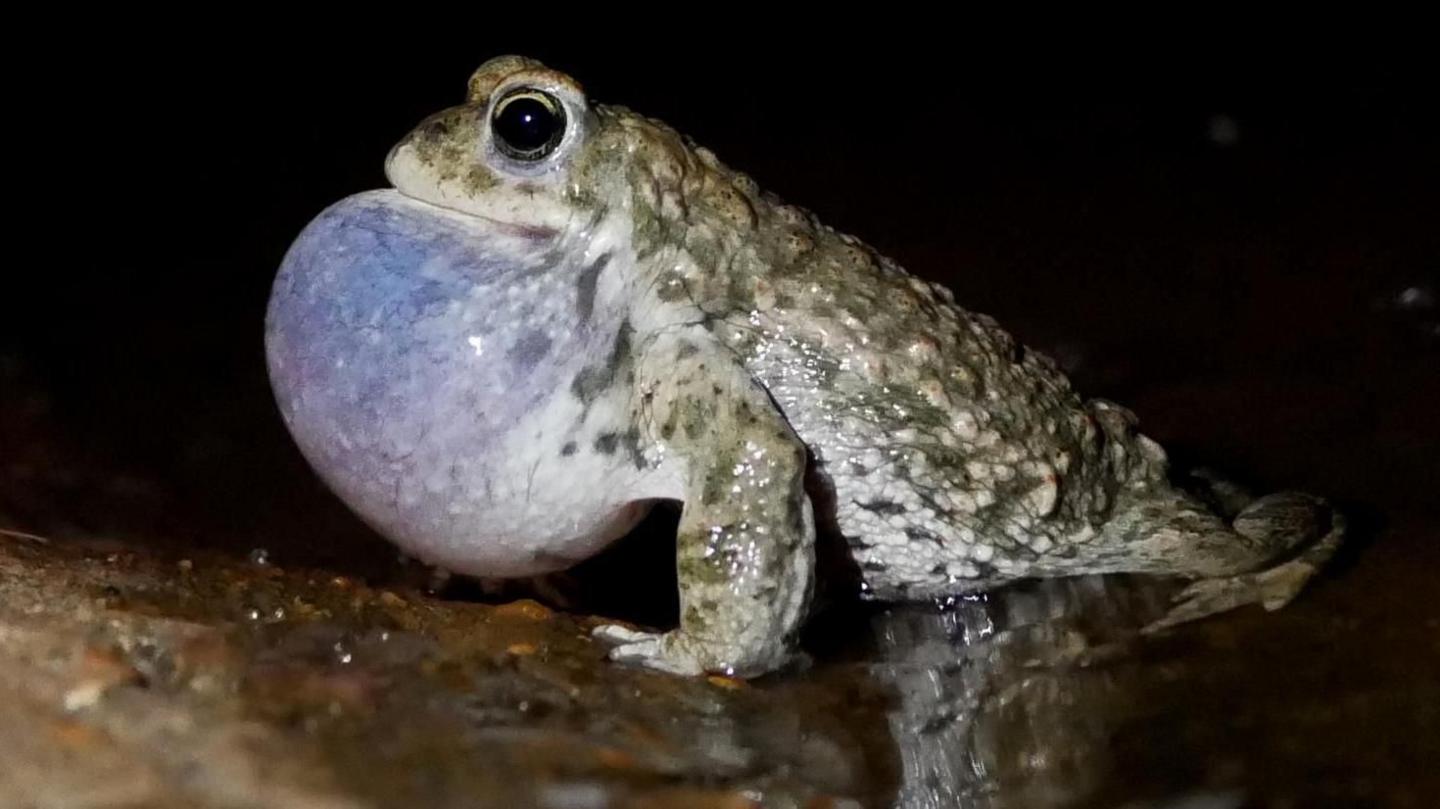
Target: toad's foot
x,y
1273,589
1297,517
678,652
656,650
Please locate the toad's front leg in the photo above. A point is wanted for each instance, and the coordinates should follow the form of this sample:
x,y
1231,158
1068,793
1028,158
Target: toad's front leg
x,y
745,548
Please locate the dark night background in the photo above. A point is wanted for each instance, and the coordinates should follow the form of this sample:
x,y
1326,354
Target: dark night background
x,y
1240,246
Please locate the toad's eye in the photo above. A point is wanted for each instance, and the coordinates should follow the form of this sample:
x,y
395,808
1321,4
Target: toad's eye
x,y
528,124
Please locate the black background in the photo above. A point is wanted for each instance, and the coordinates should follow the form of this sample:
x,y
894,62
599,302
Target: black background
x,y
1249,299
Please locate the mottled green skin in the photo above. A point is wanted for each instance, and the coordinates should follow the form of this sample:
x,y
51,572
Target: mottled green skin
x,y
745,340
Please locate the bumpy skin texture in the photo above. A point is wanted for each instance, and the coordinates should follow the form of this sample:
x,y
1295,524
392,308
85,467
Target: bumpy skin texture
x,y
503,362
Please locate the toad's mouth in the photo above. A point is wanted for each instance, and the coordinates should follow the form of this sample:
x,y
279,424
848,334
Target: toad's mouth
x,y
522,230
412,178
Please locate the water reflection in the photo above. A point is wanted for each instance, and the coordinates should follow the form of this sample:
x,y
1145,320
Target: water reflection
x,y
1012,700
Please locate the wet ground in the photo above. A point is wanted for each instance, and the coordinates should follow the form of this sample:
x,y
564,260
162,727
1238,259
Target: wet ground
x,y
188,619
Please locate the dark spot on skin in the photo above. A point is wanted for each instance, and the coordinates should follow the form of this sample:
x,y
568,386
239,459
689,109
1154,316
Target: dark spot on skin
x,y
873,567
590,382
479,179
435,130
585,287
529,349
621,354
634,448
534,233
914,533
568,449
607,442
928,499
695,424
885,508
687,350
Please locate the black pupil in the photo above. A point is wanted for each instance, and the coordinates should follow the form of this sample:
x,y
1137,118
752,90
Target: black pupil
x,y
527,125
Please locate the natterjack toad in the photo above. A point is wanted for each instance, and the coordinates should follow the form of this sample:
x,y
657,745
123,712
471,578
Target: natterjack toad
x,y
564,313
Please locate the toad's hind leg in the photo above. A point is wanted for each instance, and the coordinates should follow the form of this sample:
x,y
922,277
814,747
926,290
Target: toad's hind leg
x,y
1279,542
1239,551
